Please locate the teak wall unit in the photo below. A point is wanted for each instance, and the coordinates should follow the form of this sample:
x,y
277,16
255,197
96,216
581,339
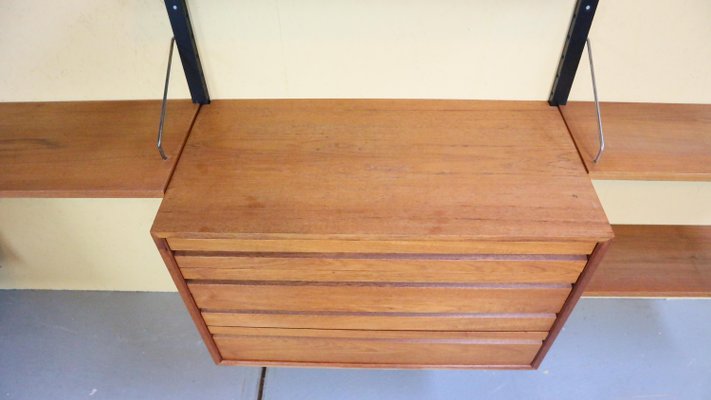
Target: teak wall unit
x,y
368,233
380,233
98,149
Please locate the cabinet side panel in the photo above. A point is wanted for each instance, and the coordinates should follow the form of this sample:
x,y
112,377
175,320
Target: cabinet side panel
x,y
170,263
578,289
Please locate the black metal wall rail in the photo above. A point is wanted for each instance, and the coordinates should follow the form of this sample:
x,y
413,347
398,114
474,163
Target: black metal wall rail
x,y
184,39
565,74
572,51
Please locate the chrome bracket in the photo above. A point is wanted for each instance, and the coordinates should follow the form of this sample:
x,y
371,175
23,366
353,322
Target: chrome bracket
x,y
601,134
159,141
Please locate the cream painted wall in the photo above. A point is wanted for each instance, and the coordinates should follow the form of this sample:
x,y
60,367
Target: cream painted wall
x,y
80,244
484,49
655,202
85,50
649,51
653,51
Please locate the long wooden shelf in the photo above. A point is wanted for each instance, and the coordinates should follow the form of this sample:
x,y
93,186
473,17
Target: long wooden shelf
x,y
644,141
655,261
89,149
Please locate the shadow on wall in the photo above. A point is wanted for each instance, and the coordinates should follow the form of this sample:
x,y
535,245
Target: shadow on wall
x,y
7,256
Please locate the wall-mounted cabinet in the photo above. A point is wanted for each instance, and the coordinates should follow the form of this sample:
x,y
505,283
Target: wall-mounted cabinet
x,y
393,233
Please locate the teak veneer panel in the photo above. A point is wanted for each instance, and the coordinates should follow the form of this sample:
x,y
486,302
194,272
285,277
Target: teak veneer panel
x,y
374,169
381,297
302,346
365,269
89,148
655,261
376,334
644,141
381,246
383,321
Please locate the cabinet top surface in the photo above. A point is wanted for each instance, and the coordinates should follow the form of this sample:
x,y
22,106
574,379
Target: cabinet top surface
x,y
374,169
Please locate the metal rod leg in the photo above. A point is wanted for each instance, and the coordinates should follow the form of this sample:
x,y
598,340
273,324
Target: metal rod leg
x,y
601,134
159,142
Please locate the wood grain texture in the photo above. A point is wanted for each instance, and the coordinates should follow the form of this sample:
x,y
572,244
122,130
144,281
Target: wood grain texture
x,y
381,246
655,261
384,348
375,334
89,149
644,141
265,268
381,297
269,364
188,299
372,169
383,321
578,289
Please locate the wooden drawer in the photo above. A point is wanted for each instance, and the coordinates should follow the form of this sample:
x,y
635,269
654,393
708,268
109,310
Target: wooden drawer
x,y
382,321
381,297
377,348
383,268
433,246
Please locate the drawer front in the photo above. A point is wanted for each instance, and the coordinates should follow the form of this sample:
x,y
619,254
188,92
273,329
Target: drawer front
x,y
381,246
376,348
362,268
382,321
406,298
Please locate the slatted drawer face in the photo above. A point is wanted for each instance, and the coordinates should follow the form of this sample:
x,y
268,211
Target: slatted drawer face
x,y
373,268
382,246
378,309
411,298
378,348
383,321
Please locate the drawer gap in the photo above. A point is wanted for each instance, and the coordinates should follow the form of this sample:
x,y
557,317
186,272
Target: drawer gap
x,y
398,340
383,314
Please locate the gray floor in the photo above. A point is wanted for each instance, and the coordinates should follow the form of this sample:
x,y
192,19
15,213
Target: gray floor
x,y
109,345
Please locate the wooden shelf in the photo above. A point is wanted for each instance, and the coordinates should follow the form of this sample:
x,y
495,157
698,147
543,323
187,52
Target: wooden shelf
x,y
655,261
644,141
89,149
